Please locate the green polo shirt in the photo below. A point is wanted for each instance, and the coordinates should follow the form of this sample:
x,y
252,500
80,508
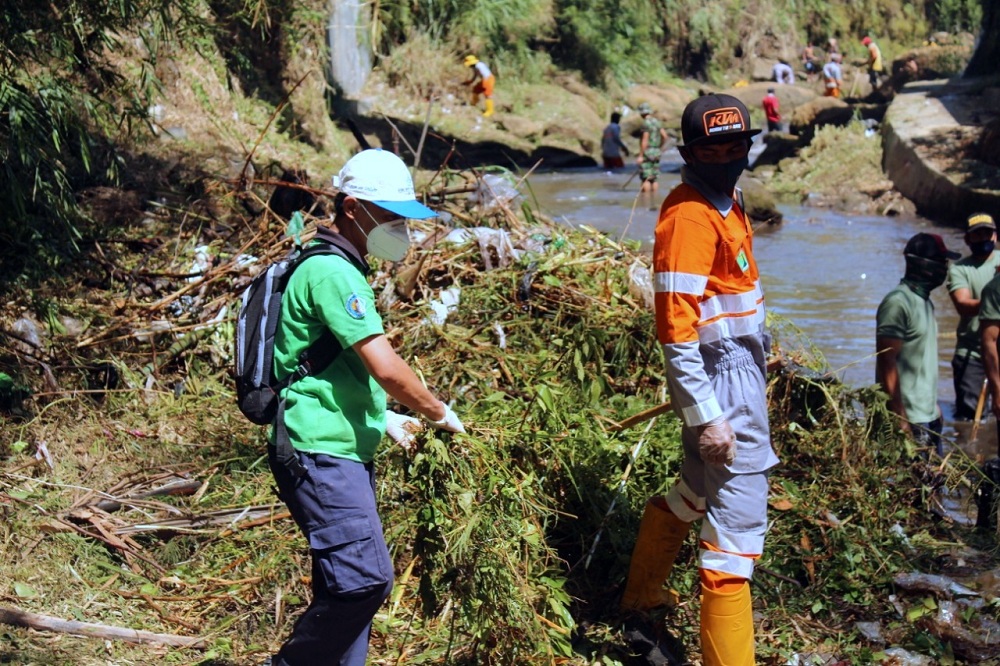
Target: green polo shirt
x,y
972,274
907,315
989,303
341,411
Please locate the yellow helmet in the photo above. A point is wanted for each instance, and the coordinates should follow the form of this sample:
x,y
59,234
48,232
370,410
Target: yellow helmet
x,y
471,60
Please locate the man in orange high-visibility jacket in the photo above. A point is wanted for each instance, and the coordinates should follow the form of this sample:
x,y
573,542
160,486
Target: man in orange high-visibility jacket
x,y
710,321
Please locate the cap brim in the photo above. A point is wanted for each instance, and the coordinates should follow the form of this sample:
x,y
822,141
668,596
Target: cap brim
x,y
982,225
412,210
723,138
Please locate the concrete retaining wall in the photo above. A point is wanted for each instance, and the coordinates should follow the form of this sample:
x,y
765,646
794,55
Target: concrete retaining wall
x,y
922,114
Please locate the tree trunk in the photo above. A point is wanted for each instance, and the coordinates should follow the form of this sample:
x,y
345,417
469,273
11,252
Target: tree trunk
x,y
984,60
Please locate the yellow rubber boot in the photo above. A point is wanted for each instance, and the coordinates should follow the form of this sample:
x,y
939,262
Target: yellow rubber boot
x,y
489,108
727,627
661,535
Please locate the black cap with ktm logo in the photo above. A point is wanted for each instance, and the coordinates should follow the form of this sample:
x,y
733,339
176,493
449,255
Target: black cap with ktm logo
x,y
715,119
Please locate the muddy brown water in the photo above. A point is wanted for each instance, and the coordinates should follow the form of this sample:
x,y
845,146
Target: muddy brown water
x,y
823,270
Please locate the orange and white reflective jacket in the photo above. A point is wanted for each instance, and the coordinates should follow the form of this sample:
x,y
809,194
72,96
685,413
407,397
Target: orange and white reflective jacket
x,y
708,292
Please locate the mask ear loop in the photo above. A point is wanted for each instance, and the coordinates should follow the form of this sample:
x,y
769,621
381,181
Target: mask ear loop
x,y
370,217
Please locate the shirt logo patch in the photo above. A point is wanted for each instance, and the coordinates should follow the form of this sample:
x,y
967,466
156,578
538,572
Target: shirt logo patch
x,y
355,306
741,261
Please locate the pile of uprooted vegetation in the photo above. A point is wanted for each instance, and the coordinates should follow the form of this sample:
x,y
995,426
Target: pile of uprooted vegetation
x,y
135,497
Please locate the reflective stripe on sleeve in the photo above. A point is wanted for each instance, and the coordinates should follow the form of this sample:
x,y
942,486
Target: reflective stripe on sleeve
x,y
703,412
680,283
732,304
731,326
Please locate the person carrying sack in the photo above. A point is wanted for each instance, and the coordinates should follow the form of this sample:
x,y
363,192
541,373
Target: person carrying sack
x,y
334,418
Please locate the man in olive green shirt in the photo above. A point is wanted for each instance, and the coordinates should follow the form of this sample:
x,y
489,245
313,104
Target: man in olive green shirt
x,y
966,279
906,340
651,145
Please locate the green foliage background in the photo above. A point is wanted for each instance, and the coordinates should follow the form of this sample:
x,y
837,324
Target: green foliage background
x,y
76,82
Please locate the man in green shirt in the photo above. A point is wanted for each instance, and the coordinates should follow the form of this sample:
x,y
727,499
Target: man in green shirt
x,y
334,420
906,340
966,279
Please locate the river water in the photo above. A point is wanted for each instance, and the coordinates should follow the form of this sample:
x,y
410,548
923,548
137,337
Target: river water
x,y
823,270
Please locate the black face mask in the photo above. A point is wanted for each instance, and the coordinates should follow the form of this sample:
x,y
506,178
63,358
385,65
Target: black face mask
x,y
982,248
721,177
927,272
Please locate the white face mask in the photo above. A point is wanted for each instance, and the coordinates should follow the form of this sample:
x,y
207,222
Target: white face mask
x,y
389,241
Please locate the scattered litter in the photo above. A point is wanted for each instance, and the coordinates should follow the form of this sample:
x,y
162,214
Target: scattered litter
x,y
941,585
501,335
496,239
640,284
899,657
26,332
42,453
494,192
897,529
872,631
446,302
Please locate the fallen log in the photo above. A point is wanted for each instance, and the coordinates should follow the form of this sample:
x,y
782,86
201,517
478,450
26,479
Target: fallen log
x,y
20,618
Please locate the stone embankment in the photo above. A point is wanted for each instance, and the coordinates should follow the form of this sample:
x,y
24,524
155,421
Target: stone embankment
x,y
936,150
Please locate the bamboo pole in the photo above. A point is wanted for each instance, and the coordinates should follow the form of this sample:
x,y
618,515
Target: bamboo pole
x,y
21,618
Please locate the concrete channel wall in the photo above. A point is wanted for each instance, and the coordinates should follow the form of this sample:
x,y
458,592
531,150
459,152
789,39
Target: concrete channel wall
x,y
925,132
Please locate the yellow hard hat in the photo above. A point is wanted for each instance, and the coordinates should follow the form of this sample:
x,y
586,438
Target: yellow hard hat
x,y
471,60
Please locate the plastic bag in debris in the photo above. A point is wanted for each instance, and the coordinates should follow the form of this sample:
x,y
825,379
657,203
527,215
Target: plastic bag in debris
x,y
26,335
495,191
899,657
446,302
640,284
497,239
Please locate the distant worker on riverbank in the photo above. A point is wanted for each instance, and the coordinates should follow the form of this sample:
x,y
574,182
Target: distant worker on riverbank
x,y
710,320
612,145
809,62
772,111
651,144
484,85
833,76
906,362
874,63
782,72
966,279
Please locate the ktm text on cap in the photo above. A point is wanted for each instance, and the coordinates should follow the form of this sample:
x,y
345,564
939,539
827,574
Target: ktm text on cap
x,y
724,120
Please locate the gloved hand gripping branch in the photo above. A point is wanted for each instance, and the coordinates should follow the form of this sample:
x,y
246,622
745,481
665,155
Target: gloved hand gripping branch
x,y
449,421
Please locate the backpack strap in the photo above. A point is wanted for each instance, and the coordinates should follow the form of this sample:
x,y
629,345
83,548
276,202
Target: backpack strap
x,y
317,357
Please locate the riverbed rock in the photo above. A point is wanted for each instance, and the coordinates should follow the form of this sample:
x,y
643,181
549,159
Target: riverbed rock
x,y
819,111
777,146
931,137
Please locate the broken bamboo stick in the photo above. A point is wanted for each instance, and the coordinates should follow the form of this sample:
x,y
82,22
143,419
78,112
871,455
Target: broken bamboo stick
x,y
21,618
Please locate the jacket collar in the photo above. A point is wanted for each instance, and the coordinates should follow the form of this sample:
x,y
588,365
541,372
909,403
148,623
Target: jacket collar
x,y
328,235
721,202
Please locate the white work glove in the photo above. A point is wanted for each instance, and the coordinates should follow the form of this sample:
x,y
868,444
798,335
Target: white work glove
x,y
449,421
717,442
402,428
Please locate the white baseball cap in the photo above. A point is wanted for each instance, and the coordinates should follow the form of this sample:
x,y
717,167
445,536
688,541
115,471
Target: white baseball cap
x,y
382,178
